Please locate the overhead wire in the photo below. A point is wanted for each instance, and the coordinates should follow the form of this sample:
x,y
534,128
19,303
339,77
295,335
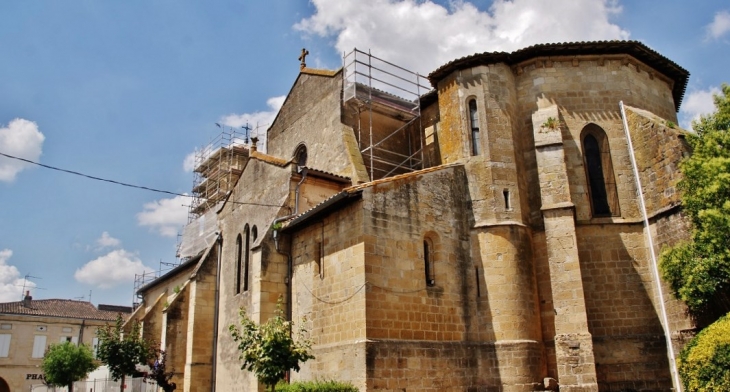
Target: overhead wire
x,y
122,183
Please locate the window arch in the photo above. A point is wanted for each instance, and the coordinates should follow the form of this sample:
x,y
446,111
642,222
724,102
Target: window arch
x,y
239,245
599,172
300,155
254,233
474,127
246,257
428,261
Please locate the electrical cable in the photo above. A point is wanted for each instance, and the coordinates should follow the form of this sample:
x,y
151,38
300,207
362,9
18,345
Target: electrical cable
x,y
122,183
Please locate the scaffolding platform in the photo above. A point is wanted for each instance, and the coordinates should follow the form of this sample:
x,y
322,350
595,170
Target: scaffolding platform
x,y
382,104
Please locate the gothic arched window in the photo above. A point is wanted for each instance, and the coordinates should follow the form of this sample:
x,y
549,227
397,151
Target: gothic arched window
x,y
599,170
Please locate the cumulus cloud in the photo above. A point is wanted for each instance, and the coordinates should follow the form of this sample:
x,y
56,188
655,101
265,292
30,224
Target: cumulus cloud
x,y
189,162
11,283
720,25
166,216
115,268
107,241
697,103
423,35
21,138
258,121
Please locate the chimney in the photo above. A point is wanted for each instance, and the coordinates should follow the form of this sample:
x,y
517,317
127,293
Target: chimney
x,y
27,299
254,141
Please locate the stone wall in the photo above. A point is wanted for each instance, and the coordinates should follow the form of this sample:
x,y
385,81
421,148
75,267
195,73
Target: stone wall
x,y
329,291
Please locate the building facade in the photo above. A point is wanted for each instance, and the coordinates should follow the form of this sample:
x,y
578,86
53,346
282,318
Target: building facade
x,y
29,327
492,228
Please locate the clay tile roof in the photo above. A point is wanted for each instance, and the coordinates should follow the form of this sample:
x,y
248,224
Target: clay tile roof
x,y
59,308
636,49
269,159
329,175
320,72
400,177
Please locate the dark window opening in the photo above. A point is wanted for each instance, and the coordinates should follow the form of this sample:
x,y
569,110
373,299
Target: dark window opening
x,y
507,205
300,156
599,172
474,125
428,263
238,263
247,252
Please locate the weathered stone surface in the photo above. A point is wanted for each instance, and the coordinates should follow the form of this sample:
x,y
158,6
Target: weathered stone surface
x,y
476,273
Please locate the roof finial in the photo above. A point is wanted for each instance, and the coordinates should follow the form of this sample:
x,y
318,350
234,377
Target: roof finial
x,y
303,58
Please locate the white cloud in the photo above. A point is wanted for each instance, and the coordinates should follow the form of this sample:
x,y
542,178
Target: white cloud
x,y
189,162
166,216
719,26
258,121
22,139
11,283
697,103
422,35
115,268
107,241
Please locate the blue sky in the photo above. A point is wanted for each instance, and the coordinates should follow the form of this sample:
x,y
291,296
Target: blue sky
x,y
128,90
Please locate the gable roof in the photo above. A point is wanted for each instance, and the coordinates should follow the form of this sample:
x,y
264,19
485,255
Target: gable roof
x,y
65,308
636,49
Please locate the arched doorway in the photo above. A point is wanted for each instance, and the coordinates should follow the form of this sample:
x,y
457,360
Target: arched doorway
x,y
4,386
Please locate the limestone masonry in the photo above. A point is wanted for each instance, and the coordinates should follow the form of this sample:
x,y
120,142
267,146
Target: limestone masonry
x,y
480,230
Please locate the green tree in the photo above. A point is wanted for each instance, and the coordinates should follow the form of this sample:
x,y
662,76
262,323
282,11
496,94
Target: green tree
x,y
121,351
65,363
698,270
704,363
269,350
158,371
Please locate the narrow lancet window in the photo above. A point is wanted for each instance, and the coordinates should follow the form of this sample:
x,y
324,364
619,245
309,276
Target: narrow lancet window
x,y
599,170
247,252
428,262
239,261
474,125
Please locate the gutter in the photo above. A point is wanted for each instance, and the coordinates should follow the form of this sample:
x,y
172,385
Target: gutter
x,y
655,268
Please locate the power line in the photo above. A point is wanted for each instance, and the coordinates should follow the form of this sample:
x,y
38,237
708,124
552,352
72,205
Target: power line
x,y
119,182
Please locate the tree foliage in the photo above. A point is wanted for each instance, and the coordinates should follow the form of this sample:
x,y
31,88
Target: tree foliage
x,y
699,270
704,363
269,350
121,351
158,371
65,363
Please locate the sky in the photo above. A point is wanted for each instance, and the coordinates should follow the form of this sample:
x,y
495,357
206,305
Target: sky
x,y
127,91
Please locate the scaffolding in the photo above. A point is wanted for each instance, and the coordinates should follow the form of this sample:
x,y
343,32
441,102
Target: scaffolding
x,y
217,168
386,101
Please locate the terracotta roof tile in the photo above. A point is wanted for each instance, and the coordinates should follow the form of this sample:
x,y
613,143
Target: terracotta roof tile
x,y
58,308
320,72
636,49
269,159
400,177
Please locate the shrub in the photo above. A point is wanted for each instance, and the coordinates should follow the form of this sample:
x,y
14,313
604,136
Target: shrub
x,y
316,386
704,364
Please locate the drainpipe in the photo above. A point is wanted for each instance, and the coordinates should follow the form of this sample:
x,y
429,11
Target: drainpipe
x,y
289,267
655,268
219,239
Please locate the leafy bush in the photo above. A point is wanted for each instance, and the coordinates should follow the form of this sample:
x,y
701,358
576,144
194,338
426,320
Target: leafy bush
x,y
316,386
704,364
698,270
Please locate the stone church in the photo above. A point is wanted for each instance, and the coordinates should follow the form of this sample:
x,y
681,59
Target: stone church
x,y
493,226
